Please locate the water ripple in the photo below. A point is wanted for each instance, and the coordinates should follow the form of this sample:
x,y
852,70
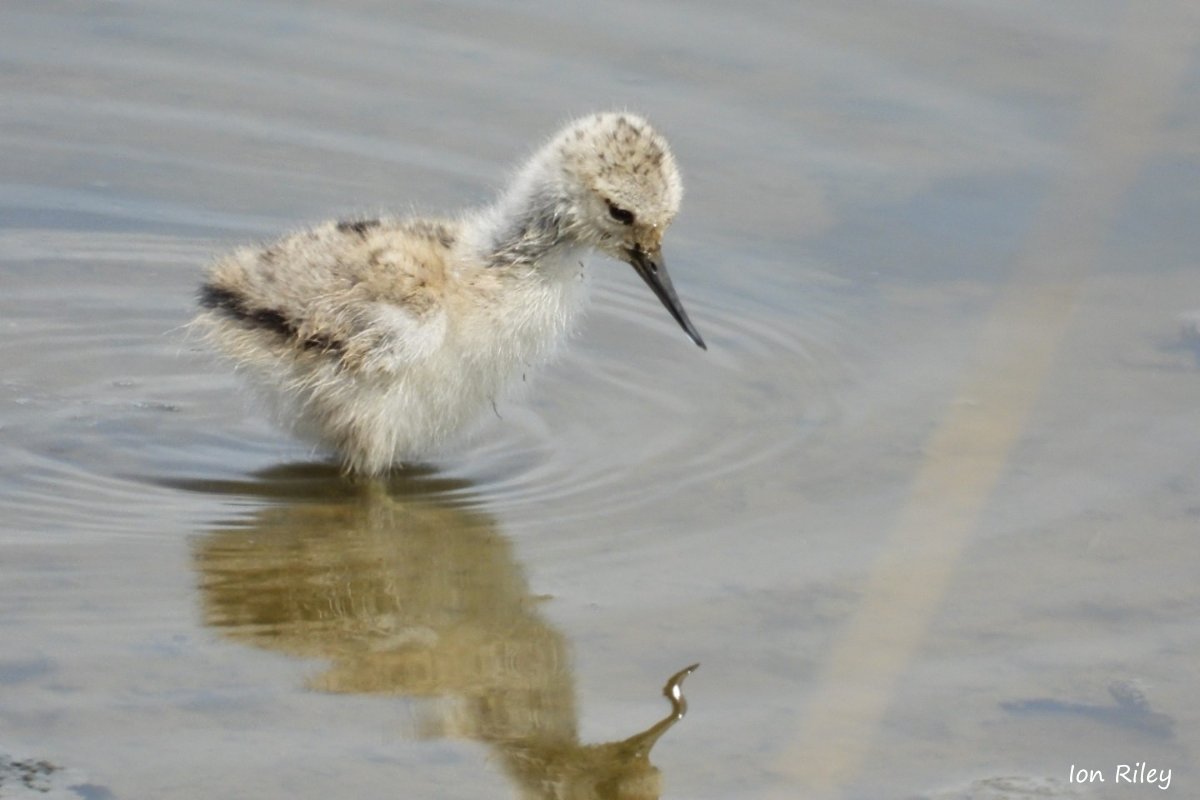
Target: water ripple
x,y
636,413
102,383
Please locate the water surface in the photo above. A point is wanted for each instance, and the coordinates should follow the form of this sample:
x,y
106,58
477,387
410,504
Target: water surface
x,y
925,511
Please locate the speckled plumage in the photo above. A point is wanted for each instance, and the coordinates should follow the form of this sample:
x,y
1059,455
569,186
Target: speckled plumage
x,y
383,339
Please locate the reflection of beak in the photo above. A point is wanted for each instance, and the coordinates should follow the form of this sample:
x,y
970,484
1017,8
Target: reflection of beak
x,y
653,270
673,691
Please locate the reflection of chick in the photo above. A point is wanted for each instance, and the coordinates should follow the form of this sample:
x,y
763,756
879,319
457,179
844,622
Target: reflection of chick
x,y
383,338
410,597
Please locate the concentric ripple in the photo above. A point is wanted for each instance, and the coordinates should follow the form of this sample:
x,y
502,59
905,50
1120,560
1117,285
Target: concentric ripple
x,y
107,407
95,395
634,413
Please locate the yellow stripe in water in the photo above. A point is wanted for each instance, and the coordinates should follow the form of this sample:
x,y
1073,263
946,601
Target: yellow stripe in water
x,y
967,453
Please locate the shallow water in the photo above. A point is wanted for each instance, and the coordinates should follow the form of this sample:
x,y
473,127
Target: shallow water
x,y
925,512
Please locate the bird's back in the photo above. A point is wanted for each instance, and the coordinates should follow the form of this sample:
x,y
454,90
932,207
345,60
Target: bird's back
x,y
364,293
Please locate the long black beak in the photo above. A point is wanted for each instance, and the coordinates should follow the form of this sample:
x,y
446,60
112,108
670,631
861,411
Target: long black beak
x,y
653,270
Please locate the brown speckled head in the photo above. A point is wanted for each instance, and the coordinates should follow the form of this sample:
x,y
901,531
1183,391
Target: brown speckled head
x,y
627,167
621,190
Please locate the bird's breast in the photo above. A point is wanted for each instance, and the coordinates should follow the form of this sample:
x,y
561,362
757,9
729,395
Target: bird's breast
x,y
520,316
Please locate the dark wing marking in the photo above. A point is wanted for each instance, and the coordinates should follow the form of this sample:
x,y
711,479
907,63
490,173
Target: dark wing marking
x,y
359,226
236,307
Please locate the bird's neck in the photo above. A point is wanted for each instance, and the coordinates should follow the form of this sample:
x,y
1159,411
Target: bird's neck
x,y
531,227
526,247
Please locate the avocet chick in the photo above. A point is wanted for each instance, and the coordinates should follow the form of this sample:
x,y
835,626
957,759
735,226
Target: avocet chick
x,y
384,338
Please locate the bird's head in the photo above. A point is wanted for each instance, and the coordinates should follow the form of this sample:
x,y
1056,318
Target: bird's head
x,y
622,190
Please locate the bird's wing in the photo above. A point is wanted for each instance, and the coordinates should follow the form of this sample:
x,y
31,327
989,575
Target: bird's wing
x,y
368,293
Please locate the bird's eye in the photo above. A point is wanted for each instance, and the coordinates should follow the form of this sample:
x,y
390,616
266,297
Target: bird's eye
x,y
621,215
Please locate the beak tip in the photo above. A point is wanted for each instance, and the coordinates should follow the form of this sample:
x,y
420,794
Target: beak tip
x,y
654,272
